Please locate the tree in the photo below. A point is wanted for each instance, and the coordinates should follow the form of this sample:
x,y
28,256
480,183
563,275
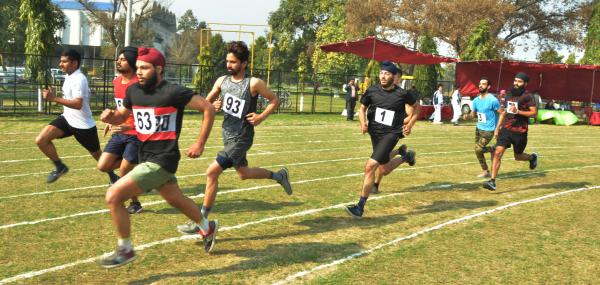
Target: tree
x,y
12,37
261,52
211,59
43,19
571,59
426,75
549,55
554,22
113,23
187,22
333,30
480,44
592,40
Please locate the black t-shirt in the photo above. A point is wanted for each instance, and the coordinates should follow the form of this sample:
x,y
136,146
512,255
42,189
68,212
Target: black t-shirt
x,y
386,111
158,115
514,122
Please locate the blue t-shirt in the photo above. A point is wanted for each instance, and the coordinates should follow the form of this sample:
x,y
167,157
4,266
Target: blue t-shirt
x,y
487,112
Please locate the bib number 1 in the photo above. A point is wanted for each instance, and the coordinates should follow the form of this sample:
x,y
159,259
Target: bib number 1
x,y
384,116
233,106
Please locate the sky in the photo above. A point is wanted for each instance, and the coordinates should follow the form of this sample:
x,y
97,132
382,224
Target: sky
x,y
257,12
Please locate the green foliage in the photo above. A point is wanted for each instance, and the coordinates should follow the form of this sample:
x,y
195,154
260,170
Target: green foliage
x,y
43,19
12,33
480,43
187,22
211,56
549,55
333,31
372,72
261,53
571,59
426,75
592,40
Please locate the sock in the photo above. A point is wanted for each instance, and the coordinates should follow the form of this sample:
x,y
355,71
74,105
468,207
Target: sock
x,y
362,202
493,180
376,185
113,177
203,224
125,243
205,211
59,164
276,176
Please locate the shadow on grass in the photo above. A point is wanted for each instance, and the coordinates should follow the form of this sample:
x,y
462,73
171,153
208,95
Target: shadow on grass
x,y
441,206
445,186
240,206
327,224
271,256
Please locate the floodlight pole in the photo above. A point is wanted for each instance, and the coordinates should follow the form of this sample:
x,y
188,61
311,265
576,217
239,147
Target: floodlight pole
x,y
128,24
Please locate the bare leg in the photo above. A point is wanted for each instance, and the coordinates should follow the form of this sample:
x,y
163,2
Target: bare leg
x,y
497,160
523,157
44,141
117,194
369,177
245,172
212,183
173,195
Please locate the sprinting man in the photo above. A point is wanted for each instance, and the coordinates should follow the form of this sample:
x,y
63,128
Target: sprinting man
x,y
485,107
121,151
390,116
76,119
236,95
157,108
513,126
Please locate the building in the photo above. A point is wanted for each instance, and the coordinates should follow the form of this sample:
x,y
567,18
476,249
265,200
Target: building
x,y
82,34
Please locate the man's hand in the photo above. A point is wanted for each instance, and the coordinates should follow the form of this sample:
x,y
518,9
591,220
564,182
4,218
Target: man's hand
x,y
117,129
254,119
195,150
406,128
48,94
496,132
107,116
218,104
513,109
364,128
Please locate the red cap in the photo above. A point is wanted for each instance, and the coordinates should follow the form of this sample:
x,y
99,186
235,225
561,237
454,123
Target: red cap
x,y
151,55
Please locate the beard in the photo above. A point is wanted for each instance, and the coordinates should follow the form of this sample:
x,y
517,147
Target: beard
x,y
149,83
386,83
234,71
517,91
483,91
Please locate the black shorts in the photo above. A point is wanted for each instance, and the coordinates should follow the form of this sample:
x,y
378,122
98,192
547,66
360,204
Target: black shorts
x,y
234,153
88,138
125,146
507,138
383,146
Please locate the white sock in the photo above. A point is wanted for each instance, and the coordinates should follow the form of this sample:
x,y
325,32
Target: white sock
x,y
203,224
124,243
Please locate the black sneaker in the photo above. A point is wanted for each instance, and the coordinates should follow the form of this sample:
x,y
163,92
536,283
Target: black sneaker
x,y
210,238
355,211
56,173
375,189
410,157
134,208
490,185
285,180
402,150
118,258
533,162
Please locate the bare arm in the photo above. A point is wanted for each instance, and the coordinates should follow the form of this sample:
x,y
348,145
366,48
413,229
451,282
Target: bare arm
x,y
362,118
259,87
530,114
204,106
48,94
115,117
412,112
213,96
502,113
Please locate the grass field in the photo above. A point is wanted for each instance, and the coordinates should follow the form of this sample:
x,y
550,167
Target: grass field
x,y
431,223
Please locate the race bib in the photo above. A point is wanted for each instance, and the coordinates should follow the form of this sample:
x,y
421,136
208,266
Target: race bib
x,y
509,106
146,122
383,116
481,118
119,103
233,105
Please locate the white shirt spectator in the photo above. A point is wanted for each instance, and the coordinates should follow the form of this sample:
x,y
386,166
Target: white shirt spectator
x,y
76,86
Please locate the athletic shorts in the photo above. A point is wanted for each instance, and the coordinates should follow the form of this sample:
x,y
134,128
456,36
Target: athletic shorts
x,y
234,153
383,146
507,138
125,146
149,175
88,138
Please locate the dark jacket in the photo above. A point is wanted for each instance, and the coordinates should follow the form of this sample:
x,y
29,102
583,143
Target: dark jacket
x,y
349,92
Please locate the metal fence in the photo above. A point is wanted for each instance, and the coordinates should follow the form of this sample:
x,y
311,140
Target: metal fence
x,y
298,92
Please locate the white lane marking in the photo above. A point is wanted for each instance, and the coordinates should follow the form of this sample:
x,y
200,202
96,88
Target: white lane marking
x,y
151,203
394,242
293,277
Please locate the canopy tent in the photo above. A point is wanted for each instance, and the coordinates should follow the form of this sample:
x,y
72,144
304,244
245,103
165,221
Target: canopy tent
x,y
381,50
565,82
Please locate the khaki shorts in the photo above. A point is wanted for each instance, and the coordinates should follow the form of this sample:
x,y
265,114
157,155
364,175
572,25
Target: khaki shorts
x,y
149,175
